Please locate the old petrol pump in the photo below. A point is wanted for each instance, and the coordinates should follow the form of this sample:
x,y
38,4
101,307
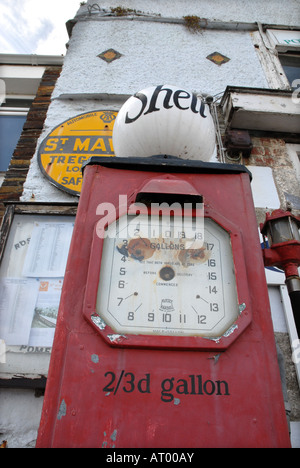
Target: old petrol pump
x,y
164,336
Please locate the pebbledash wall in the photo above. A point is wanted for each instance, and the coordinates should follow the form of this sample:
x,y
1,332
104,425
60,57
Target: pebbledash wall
x,y
152,45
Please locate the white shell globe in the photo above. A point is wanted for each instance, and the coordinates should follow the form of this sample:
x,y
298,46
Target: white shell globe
x,y
164,119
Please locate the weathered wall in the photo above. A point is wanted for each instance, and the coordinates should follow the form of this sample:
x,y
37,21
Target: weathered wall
x,y
273,153
15,177
147,58
152,53
275,11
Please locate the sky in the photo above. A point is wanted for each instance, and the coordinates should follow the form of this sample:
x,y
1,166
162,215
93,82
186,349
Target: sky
x,y
35,26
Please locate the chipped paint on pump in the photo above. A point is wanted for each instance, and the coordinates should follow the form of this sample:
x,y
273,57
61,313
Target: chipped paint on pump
x,y
186,251
230,330
116,337
62,410
114,435
227,333
98,322
95,358
233,327
109,441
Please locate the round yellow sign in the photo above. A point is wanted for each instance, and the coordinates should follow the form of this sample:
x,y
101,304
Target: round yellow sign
x,y
70,144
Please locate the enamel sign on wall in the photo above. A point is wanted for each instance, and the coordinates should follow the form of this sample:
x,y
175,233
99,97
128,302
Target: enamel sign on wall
x,y
164,119
73,142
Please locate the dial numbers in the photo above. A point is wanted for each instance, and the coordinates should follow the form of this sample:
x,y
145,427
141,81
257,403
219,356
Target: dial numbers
x,y
173,284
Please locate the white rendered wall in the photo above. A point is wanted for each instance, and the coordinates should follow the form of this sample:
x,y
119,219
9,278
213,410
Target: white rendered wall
x,y
152,54
156,53
20,413
264,11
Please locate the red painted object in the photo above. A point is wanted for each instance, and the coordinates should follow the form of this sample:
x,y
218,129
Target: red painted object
x,y
285,255
104,390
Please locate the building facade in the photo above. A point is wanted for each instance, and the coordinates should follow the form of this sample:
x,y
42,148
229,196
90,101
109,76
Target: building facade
x,y
243,60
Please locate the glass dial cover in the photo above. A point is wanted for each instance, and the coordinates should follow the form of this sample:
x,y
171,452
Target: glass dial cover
x,y
160,277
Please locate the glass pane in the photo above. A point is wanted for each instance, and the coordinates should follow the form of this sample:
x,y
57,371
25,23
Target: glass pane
x,y
10,130
31,278
291,67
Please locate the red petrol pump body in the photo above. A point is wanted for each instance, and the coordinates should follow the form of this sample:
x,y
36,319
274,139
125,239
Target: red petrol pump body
x,y
164,335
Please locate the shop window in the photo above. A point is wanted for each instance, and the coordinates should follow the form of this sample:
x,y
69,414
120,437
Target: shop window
x,y
10,130
13,114
31,277
291,66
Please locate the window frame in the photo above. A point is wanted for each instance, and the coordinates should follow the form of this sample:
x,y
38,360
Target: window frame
x,y
13,111
268,49
21,366
290,55
277,279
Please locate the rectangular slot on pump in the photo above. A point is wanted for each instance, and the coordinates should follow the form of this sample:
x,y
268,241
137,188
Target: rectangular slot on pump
x,y
151,197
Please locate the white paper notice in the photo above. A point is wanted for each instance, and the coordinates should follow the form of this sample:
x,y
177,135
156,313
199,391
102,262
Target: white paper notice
x,y
18,250
48,250
17,303
45,313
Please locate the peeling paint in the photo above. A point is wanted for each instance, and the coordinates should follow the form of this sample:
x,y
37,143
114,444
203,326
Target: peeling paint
x,y
227,333
143,248
62,410
104,443
216,357
176,401
230,330
114,338
98,322
242,307
95,358
109,442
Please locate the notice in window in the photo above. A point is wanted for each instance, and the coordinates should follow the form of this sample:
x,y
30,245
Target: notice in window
x,y
48,250
45,312
17,303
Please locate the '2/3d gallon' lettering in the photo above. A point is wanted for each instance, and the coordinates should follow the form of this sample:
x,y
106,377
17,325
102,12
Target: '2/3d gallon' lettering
x,y
128,382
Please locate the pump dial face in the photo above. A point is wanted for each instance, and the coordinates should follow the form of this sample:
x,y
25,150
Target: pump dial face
x,y
163,276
